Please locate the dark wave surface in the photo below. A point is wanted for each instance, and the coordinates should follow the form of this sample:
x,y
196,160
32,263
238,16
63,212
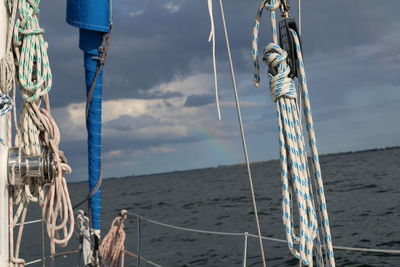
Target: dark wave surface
x,y
362,190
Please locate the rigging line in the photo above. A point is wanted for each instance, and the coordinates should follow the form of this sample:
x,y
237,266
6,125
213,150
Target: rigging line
x,y
139,241
372,250
246,235
242,133
62,254
133,255
211,38
29,222
299,14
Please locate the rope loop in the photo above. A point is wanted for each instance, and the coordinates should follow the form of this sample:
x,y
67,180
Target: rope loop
x,y
113,245
279,82
34,72
270,5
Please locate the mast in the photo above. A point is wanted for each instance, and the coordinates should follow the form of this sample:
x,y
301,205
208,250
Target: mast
x,y
92,17
4,219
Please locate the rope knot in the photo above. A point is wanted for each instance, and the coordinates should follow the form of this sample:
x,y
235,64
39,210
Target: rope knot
x,y
123,214
279,82
272,5
113,245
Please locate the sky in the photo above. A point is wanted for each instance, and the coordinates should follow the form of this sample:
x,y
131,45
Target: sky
x,y
159,107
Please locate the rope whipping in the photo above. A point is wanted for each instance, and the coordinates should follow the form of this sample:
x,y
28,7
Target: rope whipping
x,y
37,130
297,182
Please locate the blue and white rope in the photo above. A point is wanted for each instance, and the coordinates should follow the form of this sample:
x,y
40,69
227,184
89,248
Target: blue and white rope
x,y
297,183
270,5
6,104
319,185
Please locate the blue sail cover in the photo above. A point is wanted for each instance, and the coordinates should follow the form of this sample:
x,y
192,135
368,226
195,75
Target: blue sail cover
x,y
92,17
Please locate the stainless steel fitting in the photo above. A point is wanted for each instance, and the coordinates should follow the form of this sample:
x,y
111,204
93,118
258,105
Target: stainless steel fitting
x,y
21,166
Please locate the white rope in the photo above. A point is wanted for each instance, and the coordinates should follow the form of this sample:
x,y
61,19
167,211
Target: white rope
x,y
243,136
33,262
297,183
37,128
112,247
30,222
85,233
211,38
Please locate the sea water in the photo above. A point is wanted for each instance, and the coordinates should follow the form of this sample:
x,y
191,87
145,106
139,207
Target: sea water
x,y
362,191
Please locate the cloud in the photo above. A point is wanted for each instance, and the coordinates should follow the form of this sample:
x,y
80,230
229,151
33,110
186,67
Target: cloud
x,y
158,83
161,150
172,7
136,13
198,100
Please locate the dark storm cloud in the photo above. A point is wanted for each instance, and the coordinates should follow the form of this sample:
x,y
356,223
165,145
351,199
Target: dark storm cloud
x,y
351,52
127,123
198,100
152,47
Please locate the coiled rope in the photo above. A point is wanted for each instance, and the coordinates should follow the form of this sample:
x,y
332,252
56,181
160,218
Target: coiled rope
x,y
297,183
113,245
37,129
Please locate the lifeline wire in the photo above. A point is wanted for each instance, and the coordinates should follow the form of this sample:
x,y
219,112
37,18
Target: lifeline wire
x,y
243,136
207,232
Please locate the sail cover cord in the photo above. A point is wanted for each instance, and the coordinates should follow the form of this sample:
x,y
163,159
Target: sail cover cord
x,y
297,182
211,39
37,130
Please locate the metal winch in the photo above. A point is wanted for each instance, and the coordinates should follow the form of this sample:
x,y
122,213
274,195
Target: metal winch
x,y
21,166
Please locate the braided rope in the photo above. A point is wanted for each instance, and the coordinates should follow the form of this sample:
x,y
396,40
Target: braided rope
x,y
37,129
113,245
6,104
270,5
317,177
297,183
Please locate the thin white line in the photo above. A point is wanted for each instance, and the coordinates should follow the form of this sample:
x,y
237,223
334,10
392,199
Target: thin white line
x,y
372,250
243,135
30,222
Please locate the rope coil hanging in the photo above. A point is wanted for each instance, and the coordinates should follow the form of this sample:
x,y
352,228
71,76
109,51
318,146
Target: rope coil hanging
x,y
37,130
297,181
113,245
